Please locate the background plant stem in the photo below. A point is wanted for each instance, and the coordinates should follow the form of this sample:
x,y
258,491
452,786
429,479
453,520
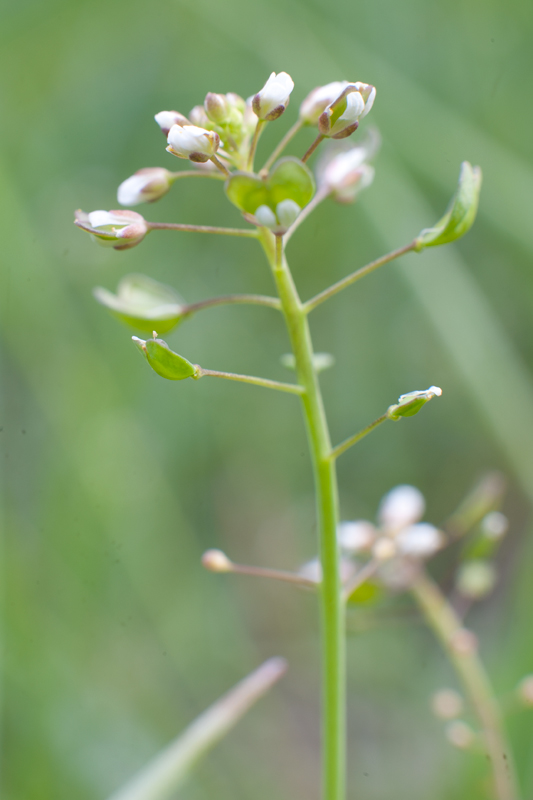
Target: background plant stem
x,y
443,620
331,603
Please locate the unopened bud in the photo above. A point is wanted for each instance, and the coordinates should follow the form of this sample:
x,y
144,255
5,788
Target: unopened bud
x,y
145,186
166,119
463,642
525,690
461,214
357,536
216,561
447,704
400,507
318,100
475,579
196,144
216,107
460,734
494,525
341,117
198,117
273,99
119,229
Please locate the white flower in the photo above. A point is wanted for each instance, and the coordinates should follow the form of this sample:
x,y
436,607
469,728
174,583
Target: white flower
x,y
341,117
166,119
418,541
317,100
273,98
196,144
402,506
145,186
118,229
356,536
346,175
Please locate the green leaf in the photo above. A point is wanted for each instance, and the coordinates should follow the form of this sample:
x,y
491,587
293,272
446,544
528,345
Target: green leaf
x,y
164,361
143,303
461,213
290,179
410,404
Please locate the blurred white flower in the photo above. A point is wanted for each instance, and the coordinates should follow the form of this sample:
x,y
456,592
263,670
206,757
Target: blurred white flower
x,y
418,541
356,536
144,186
166,119
402,506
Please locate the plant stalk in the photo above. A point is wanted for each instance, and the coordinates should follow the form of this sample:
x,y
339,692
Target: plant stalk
x,y
330,592
446,624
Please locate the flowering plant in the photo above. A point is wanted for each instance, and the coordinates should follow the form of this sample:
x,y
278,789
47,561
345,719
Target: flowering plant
x,y
220,139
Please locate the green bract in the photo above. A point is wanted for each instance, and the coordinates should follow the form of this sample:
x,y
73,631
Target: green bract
x,y
289,179
461,214
143,303
410,404
163,361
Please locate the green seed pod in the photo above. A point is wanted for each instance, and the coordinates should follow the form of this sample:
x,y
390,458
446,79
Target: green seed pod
x,y
164,361
410,404
461,213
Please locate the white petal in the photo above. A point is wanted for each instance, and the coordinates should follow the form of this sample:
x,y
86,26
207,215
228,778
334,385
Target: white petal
x,y
419,541
356,536
401,506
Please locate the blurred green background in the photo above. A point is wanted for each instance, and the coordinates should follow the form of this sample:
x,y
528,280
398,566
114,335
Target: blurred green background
x,y
116,481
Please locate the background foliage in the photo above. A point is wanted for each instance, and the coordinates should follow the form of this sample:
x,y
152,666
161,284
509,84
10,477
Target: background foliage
x,y
116,481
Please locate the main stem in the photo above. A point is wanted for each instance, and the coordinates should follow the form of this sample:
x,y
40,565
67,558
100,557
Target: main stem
x,y
331,603
444,621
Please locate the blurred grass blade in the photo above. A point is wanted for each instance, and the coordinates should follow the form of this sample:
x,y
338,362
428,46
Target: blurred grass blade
x,y
165,773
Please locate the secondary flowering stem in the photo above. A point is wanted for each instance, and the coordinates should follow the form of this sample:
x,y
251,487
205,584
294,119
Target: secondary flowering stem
x,y
224,170
197,173
355,276
331,603
273,574
313,147
178,226
309,208
445,623
257,133
291,133
343,446
292,388
229,299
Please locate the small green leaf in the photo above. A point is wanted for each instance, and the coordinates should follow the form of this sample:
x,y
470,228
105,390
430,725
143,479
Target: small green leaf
x,y
164,361
290,179
143,303
367,594
461,213
410,404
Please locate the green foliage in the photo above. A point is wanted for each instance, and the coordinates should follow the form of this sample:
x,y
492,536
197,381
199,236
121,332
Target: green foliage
x,y
143,303
164,361
289,179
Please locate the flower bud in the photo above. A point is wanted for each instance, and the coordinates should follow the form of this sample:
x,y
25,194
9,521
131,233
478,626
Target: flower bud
x,y
461,213
419,541
273,99
318,100
163,361
236,101
410,404
356,537
460,734
346,176
198,116
400,507
475,579
196,144
143,303
166,119
216,107
447,704
494,525
216,561
145,186
341,117
119,229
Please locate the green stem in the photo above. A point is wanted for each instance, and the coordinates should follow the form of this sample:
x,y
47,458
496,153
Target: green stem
x,y
219,165
257,133
231,299
291,133
313,147
273,574
442,618
309,208
292,388
331,603
179,226
343,446
355,276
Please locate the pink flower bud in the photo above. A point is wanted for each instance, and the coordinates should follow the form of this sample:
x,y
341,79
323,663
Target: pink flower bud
x,y
145,186
119,229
